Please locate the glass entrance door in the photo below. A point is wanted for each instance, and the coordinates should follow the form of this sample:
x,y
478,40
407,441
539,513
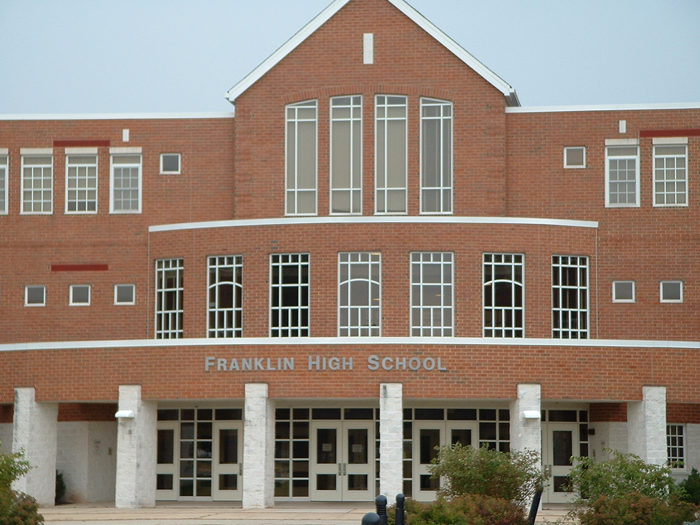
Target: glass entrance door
x,y
228,442
559,443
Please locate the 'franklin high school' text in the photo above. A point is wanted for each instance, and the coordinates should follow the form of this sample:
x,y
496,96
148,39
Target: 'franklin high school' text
x,y
320,363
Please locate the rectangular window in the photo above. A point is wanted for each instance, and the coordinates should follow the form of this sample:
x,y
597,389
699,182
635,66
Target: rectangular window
x,y
37,184
225,296
436,156
575,157
169,292
623,291
675,446
569,297
671,291
289,295
81,184
169,163
504,297
301,158
80,295
622,176
431,294
391,154
35,296
359,297
671,175
126,184
3,184
124,294
346,155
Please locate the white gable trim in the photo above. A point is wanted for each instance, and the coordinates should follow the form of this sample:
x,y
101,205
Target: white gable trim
x,y
410,12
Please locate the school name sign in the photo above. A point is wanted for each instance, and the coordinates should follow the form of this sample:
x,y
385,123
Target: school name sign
x,y
317,363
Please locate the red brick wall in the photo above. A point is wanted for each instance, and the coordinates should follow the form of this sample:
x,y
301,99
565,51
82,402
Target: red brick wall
x,y
608,412
683,413
86,412
7,413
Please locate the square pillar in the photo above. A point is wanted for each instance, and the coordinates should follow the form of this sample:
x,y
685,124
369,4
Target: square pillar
x,y
34,431
526,419
646,422
391,440
136,450
258,448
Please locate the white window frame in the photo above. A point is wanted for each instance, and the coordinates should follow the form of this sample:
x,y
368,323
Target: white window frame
x,y
612,146
569,166
432,320
614,292
116,294
303,288
73,172
349,264
26,295
173,318
661,292
292,175
232,323
573,322
179,164
36,154
71,296
123,153
382,106
4,181
676,451
659,145
490,292
355,191
445,187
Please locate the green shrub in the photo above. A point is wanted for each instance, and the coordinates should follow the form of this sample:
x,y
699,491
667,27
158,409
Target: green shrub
x,y
512,476
469,509
636,509
60,488
691,488
16,508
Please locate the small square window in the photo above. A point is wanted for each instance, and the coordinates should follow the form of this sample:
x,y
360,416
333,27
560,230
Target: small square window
x,y
124,294
623,291
34,296
575,157
671,291
80,295
170,163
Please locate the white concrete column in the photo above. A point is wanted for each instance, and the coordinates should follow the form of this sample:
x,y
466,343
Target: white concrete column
x,y
391,440
136,450
34,431
526,432
258,448
646,422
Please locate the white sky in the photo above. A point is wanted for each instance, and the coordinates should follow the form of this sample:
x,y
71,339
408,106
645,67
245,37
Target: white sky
x,y
150,56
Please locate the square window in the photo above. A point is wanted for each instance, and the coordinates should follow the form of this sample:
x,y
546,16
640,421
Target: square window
x,y
575,157
124,294
671,291
80,295
170,163
34,296
623,292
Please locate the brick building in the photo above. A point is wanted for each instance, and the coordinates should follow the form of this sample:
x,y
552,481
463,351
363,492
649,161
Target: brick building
x,y
379,253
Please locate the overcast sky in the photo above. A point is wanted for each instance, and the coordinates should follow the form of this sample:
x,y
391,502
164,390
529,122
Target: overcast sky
x,y
146,56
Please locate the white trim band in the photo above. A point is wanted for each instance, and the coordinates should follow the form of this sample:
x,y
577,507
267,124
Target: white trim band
x,y
122,151
115,116
36,151
604,107
670,140
81,151
622,142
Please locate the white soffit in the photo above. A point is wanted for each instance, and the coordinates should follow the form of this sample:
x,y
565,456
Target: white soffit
x,y
410,12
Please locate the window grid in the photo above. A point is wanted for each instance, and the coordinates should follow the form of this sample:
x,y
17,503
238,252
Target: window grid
x,y
391,154
169,296
675,446
622,173
346,155
126,184
289,295
569,297
436,156
504,309
3,184
359,297
225,296
301,159
431,294
81,184
670,175
37,184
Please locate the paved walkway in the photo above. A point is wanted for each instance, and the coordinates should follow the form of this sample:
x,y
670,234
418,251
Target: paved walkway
x,y
226,514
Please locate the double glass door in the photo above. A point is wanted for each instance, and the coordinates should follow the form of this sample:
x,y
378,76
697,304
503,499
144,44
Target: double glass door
x,y
342,460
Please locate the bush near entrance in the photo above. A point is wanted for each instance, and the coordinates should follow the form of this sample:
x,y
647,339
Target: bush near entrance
x,y
16,508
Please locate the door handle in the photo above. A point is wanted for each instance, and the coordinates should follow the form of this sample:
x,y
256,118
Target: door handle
x,y
340,469
344,468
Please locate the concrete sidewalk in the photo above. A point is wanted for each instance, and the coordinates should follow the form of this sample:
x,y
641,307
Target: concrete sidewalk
x,y
302,513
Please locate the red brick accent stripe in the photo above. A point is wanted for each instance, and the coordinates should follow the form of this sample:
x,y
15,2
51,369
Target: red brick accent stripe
x,y
79,267
80,143
695,132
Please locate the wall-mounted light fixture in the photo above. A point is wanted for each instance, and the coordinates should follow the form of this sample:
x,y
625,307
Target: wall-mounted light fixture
x,y
531,414
125,414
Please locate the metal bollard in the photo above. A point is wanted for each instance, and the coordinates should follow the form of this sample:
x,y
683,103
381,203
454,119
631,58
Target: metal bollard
x,y
400,500
535,505
380,501
371,518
